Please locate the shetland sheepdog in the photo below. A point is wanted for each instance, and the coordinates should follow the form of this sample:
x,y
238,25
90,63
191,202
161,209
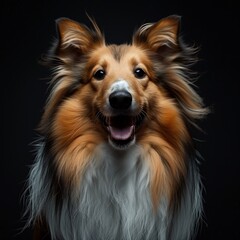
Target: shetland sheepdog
x,y
116,160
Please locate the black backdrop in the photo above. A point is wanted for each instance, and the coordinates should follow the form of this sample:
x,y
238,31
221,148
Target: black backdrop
x,y
27,30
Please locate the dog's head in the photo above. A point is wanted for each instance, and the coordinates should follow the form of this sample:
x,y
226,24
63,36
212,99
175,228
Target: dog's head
x,y
131,90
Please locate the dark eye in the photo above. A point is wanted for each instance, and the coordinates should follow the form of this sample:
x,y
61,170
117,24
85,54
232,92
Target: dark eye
x,y
139,73
100,74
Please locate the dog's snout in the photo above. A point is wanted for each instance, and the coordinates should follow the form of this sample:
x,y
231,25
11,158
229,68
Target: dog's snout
x,y
120,100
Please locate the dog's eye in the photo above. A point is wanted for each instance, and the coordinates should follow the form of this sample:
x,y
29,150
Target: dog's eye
x,y
100,74
139,73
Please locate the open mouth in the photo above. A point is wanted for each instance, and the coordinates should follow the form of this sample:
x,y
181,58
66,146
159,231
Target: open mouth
x,y
122,128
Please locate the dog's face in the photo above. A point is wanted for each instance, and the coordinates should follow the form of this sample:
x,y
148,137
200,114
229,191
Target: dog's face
x,y
121,79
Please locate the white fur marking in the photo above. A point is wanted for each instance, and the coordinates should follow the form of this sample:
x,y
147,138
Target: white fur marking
x,y
120,85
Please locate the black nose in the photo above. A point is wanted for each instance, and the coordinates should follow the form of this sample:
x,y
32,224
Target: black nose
x,y
120,100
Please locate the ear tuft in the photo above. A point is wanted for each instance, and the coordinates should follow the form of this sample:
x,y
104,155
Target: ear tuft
x,y
163,33
72,34
64,25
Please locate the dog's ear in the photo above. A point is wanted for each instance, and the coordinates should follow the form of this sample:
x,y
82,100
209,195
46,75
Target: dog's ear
x,y
161,37
75,38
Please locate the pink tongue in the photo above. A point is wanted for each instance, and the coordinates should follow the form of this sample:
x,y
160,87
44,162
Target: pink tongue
x,y
121,134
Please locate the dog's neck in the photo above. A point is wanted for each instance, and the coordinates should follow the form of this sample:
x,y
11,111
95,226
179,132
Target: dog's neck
x,y
115,198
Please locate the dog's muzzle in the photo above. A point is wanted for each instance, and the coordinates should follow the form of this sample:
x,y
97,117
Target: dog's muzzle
x,y
122,120
121,127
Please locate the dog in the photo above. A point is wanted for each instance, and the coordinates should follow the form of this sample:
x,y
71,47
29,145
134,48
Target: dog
x,y
115,158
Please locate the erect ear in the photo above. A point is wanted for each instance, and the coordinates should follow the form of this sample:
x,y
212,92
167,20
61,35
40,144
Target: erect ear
x,y
161,36
76,37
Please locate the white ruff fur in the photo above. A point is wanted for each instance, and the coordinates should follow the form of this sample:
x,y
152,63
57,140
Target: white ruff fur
x,y
114,201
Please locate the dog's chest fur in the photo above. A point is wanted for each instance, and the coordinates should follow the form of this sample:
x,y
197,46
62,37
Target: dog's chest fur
x,y
114,201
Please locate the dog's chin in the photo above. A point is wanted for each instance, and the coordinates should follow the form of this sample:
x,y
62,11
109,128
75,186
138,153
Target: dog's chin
x,y
121,144
121,129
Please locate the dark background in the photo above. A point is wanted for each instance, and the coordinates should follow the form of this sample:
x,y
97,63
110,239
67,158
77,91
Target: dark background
x,y
27,30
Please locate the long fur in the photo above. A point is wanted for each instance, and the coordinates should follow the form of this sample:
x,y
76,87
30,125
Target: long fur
x,y
85,184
